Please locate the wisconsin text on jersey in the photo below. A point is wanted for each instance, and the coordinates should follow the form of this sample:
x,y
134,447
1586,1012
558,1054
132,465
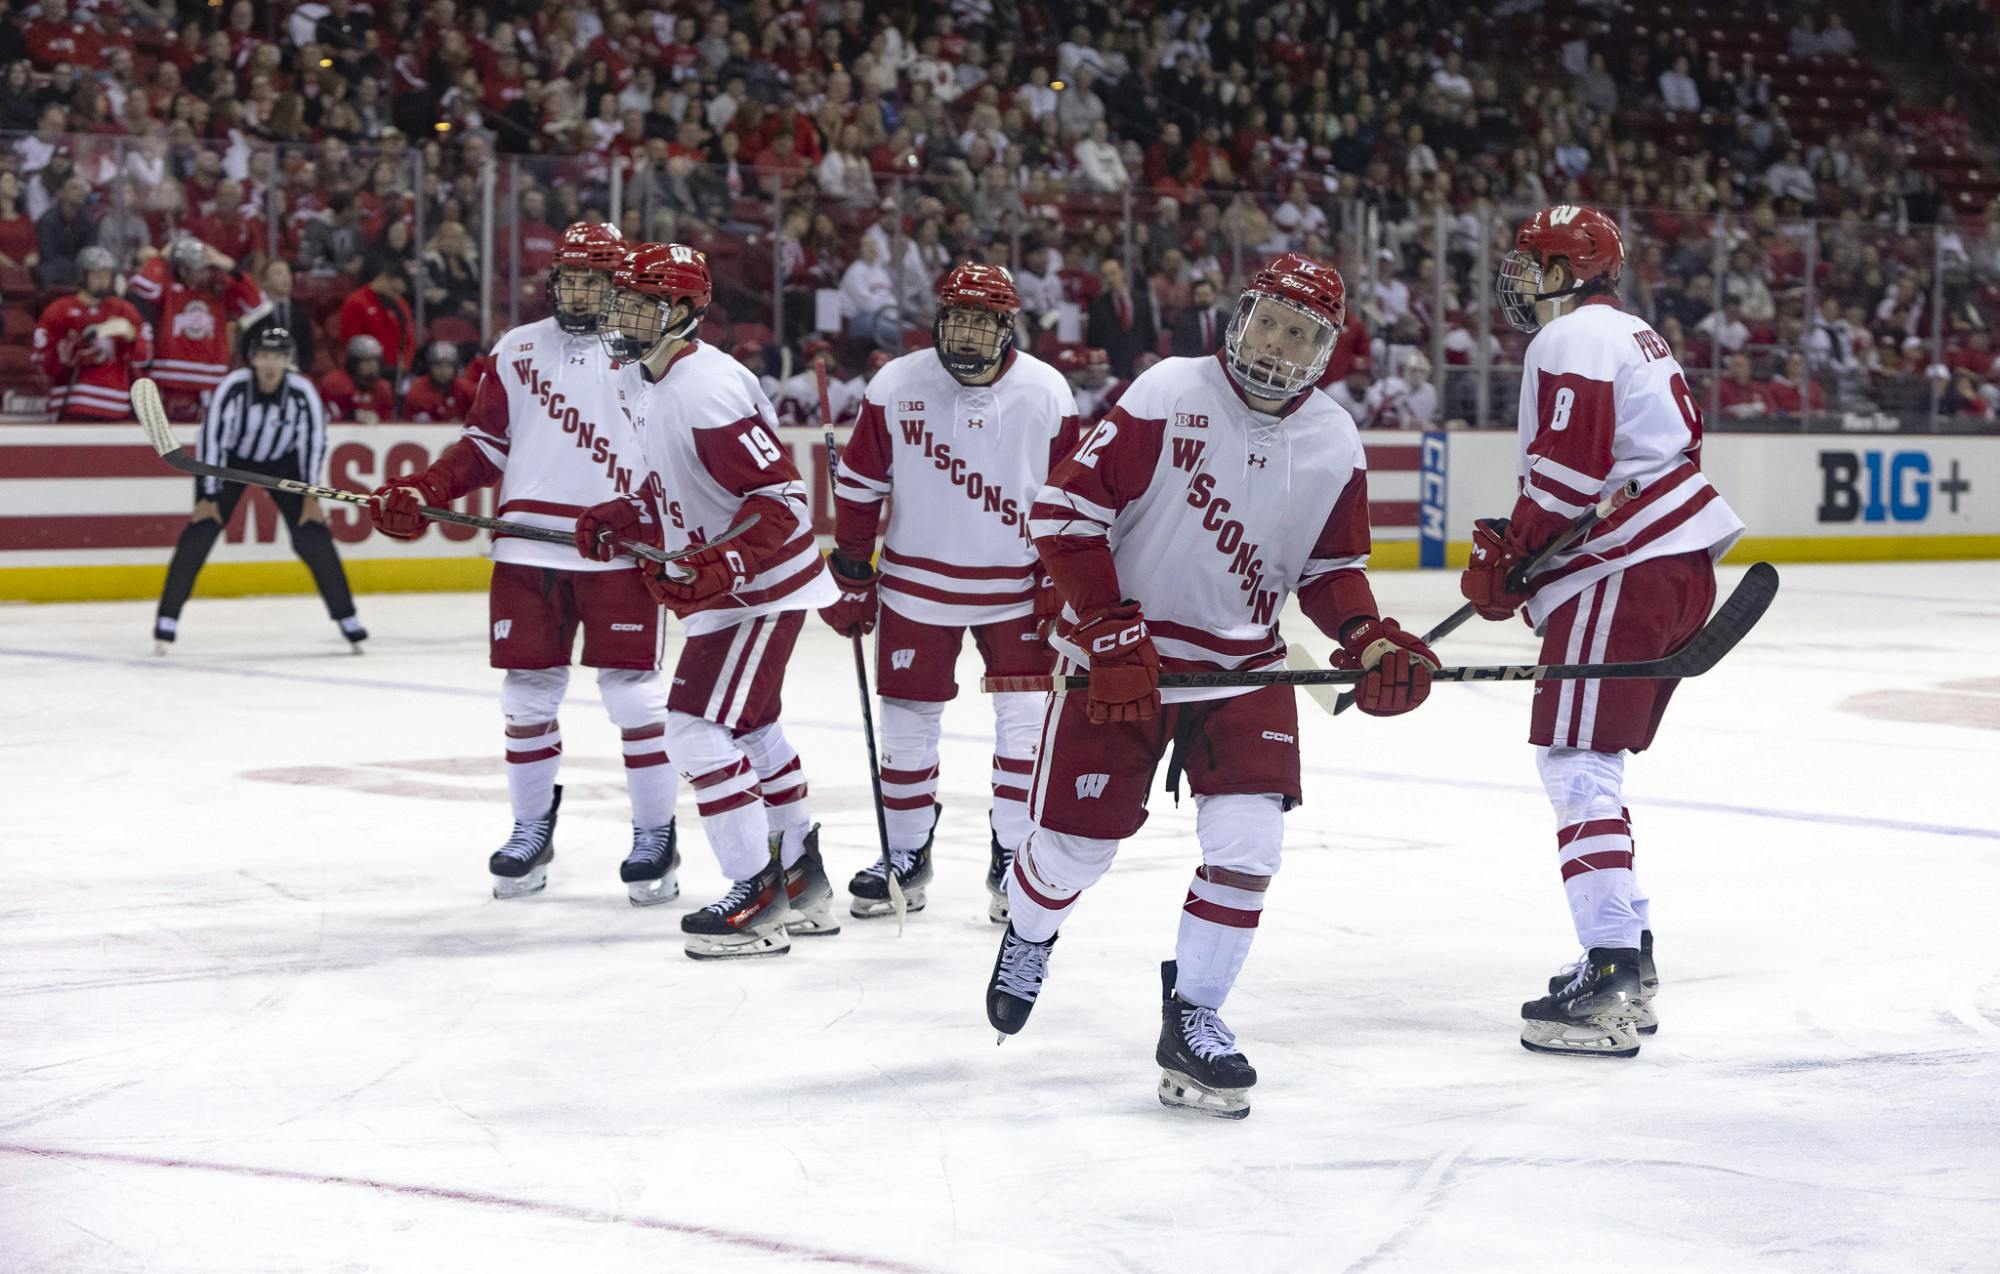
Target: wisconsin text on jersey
x,y
584,432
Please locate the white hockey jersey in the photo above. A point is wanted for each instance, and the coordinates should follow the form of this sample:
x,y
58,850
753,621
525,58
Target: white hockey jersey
x,y
963,464
1604,400
550,415
710,445
1213,515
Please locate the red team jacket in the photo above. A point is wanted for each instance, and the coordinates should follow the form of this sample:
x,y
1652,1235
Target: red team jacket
x,y
102,368
343,397
426,403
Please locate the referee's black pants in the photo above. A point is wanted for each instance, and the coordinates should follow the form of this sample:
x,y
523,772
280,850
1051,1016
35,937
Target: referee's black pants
x,y
312,541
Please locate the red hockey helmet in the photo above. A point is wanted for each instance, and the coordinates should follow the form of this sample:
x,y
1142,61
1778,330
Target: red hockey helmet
x,y
1069,360
1586,239
976,305
660,291
591,245
1285,326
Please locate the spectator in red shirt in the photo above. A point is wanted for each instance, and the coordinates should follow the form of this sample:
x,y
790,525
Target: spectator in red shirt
x,y
538,237
359,391
19,244
442,393
1795,393
377,309
52,37
1740,397
230,229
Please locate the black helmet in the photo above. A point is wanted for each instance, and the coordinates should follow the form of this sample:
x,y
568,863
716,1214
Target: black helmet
x,y
273,340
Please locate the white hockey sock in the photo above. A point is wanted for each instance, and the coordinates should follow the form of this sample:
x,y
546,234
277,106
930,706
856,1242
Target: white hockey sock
x,y
1017,722
1596,859
782,781
725,791
1218,923
1642,906
1037,908
534,752
909,769
649,777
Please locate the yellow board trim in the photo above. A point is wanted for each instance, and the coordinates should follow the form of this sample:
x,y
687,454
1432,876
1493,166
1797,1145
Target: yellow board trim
x,y
470,574
239,579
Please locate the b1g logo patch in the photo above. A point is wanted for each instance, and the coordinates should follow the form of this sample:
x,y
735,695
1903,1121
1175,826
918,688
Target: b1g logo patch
x,y
501,627
1187,420
901,660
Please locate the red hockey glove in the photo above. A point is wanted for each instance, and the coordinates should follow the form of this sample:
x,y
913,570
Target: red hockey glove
x,y
718,569
1124,667
393,507
601,527
1484,581
1399,666
854,614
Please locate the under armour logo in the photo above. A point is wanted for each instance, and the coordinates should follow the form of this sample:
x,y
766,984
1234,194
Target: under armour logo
x,y
1257,460
901,660
1090,786
977,422
501,627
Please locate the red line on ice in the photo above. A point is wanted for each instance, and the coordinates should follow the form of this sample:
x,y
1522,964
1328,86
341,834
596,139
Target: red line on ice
x,y
777,1247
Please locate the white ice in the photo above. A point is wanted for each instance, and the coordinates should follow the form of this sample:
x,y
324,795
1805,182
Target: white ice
x,y
258,1011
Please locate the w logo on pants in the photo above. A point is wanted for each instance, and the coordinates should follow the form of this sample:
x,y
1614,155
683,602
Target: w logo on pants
x,y
901,660
501,627
1090,786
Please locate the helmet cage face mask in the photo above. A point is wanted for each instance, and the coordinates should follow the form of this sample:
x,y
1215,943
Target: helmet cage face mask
x,y
1304,343
971,342
580,297
633,324
1518,288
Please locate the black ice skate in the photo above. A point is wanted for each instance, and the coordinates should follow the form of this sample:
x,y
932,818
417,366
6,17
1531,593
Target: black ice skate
x,y
1016,982
1200,1068
746,922
870,885
1595,1014
351,629
808,893
996,882
164,632
651,870
1649,984
521,866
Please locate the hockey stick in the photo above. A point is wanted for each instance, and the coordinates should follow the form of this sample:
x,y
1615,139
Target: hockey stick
x,y
1517,581
153,419
1737,615
897,902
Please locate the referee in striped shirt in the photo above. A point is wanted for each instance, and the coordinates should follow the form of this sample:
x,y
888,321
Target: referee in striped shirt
x,y
268,419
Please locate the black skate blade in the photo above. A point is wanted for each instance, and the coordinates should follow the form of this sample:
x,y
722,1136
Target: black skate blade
x,y
878,908
804,924
1179,1091
765,945
651,893
1580,1052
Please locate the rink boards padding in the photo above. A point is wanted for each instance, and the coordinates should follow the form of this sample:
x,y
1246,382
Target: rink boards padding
x,y
90,512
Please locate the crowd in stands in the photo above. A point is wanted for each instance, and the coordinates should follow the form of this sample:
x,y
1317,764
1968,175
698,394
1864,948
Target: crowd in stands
x,y
1810,233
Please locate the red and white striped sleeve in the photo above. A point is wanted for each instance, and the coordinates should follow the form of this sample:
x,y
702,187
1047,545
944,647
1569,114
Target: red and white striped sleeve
x,y
1333,588
486,425
1576,419
747,459
1072,515
862,483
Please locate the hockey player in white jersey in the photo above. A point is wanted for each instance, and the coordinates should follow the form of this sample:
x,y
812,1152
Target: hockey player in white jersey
x,y
711,458
959,438
1603,401
545,426
1215,489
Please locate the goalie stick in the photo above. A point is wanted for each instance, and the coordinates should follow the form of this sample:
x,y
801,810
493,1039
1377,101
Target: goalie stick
x,y
897,902
1737,615
1296,655
153,419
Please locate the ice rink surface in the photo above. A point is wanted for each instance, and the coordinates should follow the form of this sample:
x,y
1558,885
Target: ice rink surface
x,y
258,1011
